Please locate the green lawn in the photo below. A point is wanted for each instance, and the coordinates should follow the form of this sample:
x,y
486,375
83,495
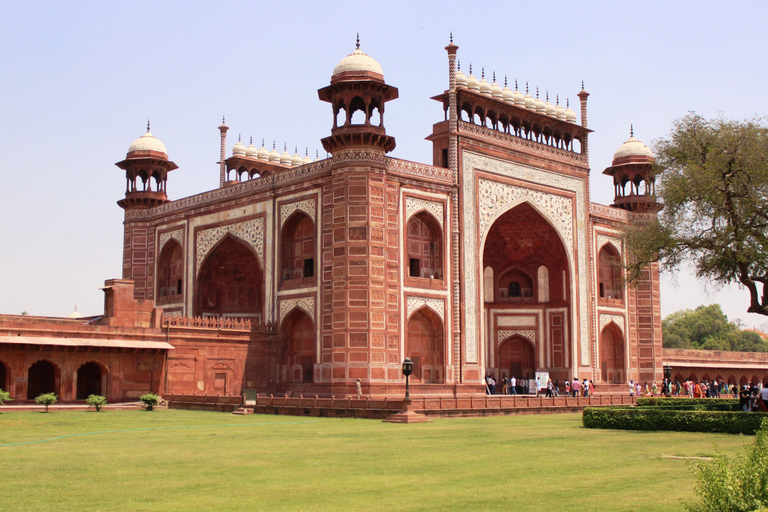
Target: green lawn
x,y
215,461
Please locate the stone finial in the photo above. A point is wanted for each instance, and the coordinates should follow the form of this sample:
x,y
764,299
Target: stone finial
x,y
357,44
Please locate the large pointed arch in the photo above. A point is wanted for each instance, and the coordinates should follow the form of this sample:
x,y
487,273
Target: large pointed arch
x,y
612,355
425,346
230,281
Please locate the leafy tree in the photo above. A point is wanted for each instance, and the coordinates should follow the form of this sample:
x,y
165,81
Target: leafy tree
x,y
97,401
150,400
708,328
740,485
713,182
47,399
5,396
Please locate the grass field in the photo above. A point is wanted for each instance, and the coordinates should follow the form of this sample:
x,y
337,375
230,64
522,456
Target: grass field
x,y
186,460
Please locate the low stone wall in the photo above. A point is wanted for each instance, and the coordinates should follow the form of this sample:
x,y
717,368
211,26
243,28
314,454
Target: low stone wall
x,y
380,408
204,402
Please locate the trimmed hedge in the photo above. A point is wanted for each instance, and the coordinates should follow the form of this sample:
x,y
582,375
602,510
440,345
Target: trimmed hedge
x,y
674,402
655,418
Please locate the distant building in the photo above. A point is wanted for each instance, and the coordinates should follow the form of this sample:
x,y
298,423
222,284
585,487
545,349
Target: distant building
x,y
303,276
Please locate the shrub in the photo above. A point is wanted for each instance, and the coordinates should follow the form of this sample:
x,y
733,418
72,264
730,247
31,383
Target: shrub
x,y
656,418
47,399
5,396
675,402
97,401
150,400
738,485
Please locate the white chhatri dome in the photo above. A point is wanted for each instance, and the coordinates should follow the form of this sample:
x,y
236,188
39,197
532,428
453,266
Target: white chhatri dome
x,y
251,151
263,153
496,90
148,142
632,147
239,149
473,83
358,61
461,78
570,115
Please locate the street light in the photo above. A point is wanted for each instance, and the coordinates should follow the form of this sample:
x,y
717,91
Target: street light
x,y
667,372
407,370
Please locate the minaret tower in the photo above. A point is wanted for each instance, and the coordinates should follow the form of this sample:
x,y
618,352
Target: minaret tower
x,y
145,163
223,153
360,233
146,169
634,182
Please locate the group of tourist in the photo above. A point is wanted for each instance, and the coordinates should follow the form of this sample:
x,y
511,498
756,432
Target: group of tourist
x,y
513,386
576,388
510,386
752,397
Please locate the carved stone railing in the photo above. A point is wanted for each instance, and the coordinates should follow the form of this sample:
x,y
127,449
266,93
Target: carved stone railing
x,y
513,141
214,322
245,188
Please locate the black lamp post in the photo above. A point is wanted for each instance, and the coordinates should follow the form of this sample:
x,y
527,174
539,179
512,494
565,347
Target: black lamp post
x,y
407,370
668,372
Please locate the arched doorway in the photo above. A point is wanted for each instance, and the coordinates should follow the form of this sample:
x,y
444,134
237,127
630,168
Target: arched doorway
x,y
517,358
41,378
424,345
170,272
299,346
89,380
609,274
612,355
425,247
3,377
230,282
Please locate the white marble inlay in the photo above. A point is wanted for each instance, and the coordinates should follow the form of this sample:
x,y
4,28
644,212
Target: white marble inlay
x,y
413,205
436,305
307,206
306,304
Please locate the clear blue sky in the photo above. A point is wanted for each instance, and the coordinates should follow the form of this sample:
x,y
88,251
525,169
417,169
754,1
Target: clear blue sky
x,y
80,80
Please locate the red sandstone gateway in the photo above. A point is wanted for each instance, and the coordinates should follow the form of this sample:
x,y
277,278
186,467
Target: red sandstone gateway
x,y
300,276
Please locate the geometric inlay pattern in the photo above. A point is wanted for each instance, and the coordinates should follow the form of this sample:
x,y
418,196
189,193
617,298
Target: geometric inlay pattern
x,y
177,235
250,232
305,303
307,206
604,239
413,205
528,334
436,305
605,319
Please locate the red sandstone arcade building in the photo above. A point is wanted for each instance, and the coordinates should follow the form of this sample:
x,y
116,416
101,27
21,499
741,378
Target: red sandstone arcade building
x,y
305,275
